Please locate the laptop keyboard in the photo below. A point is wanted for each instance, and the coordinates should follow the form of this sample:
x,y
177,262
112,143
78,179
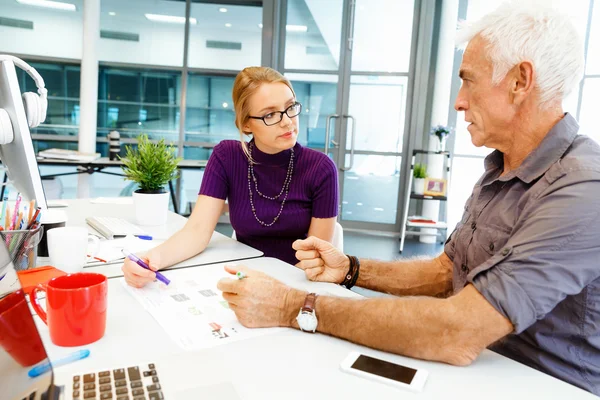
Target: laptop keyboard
x,y
133,383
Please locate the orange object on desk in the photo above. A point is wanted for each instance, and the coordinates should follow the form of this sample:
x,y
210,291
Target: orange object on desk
x,y
30,278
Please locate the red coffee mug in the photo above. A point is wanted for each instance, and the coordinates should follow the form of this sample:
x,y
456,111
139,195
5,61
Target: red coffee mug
x,y
18,334
76,308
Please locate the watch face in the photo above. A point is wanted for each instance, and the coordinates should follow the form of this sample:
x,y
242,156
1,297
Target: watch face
x,y
307,321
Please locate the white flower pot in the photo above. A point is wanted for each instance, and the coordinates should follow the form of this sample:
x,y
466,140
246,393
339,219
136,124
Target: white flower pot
x,y
151,208
419,186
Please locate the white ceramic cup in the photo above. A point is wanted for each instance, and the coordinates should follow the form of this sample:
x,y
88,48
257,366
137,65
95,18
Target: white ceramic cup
x,y
69,247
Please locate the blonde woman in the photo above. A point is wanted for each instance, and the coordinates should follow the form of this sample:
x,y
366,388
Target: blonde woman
x,y
278,191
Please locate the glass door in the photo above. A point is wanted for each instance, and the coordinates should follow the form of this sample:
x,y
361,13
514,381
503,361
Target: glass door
x,y
354,88
375,83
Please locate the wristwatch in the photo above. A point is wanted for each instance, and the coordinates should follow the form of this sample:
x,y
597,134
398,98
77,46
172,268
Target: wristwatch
x,y
307,318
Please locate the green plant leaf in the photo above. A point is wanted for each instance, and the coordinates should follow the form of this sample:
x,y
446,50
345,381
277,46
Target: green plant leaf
x,y
420,171
151,165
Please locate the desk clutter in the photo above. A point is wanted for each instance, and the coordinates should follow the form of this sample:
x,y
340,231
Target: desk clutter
x,y
71,155
21,231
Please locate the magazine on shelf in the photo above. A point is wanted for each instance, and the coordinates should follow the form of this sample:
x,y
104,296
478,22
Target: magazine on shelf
x,y
73,155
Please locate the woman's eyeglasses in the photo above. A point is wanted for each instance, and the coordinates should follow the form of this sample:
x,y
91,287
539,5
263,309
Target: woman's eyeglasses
x,y
275,117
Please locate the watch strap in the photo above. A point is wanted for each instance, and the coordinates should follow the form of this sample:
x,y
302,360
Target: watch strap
x,y
309,302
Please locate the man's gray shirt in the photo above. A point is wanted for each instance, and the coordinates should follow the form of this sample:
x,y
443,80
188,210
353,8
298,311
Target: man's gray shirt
x,y
529,241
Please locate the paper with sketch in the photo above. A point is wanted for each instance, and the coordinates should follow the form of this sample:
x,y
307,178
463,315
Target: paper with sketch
x,y
192,310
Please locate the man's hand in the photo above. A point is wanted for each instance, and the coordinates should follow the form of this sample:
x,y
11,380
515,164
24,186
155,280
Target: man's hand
x,y
320,260
258,300
137,276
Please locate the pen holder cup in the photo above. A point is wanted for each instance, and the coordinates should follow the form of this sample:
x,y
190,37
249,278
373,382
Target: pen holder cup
x,y
22,245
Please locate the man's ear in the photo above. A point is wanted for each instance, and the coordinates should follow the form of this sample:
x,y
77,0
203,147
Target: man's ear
x,y
523,81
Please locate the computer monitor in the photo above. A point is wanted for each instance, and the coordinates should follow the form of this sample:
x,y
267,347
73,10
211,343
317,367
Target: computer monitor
x,y
18,156
21,346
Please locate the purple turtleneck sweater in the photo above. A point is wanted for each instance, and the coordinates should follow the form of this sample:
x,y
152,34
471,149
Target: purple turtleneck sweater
x,y
313,192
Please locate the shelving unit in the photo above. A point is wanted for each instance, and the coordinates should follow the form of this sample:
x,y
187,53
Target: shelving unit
x,y
441,227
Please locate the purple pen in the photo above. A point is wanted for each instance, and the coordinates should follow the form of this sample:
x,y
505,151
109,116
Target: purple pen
x,y
142,264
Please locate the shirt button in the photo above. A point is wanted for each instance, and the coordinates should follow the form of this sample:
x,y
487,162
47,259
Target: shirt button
x,y
491,246
464,267
473,225
505,251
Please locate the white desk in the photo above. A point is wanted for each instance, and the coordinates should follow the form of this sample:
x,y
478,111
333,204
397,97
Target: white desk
x,y
220,248
292,364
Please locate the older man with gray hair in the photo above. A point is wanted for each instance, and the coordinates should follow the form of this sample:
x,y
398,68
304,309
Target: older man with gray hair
x,y
520,274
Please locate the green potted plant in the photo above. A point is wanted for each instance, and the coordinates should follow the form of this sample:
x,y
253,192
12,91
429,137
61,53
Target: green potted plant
x,y
419,175
151,166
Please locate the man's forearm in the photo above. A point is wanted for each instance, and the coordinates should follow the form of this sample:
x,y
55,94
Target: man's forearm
x,y
431,277
419,327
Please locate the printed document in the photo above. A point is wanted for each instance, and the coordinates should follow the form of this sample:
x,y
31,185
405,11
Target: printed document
x,y
192,310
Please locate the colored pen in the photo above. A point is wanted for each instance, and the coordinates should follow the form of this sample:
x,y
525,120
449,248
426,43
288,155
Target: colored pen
x,y
45,367
240,275
34,218
142,264
15,213
148,237
144,237
31,207
4,201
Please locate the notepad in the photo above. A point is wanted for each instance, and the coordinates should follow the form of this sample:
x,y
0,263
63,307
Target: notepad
x,y
30,278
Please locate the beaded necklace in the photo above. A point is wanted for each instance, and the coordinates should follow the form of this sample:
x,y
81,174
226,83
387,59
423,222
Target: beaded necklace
x,y
284,190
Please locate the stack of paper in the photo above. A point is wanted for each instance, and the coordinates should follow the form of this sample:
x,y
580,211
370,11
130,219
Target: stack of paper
x,y
73,155
110,251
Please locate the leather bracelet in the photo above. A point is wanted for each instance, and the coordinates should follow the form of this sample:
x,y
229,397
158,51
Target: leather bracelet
x,y
350,274
355,272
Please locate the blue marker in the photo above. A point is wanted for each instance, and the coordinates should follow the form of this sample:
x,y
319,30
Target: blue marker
x,y
148,237
45,367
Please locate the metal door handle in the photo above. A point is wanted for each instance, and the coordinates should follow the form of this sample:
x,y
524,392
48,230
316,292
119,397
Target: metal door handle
x,y
328,123
351,144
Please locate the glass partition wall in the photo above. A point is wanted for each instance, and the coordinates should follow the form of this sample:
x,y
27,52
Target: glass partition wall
x,y
355,89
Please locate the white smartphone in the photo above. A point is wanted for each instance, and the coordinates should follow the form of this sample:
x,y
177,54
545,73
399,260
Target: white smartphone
x,y
384,371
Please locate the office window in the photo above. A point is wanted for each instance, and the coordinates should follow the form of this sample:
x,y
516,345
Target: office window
x,y
371,50
135,101
62,82
144,32
313,35
591,83
318,94
209,114
225,37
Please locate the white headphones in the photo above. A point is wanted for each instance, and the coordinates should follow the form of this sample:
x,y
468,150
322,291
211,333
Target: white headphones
x,y
35,105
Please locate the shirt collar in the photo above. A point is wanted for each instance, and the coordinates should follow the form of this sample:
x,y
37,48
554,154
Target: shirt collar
x,y
277,159
549,151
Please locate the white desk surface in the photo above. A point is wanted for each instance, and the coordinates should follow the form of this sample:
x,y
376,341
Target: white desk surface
x,y
291,364
220,248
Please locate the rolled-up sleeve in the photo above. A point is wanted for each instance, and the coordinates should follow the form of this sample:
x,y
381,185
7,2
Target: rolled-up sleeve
x,y
553,252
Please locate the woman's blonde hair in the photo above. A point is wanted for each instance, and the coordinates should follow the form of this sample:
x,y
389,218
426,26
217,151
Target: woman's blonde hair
x,y
246,84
